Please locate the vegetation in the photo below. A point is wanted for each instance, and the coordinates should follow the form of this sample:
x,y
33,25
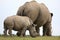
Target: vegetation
x,y
29,38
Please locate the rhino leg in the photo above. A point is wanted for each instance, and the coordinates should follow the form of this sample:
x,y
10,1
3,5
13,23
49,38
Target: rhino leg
x,y
18,33
5,31
23,31
48,33
37,30
44,30
47,29
10,31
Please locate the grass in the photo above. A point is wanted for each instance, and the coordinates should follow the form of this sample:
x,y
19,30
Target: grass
x,y
29,38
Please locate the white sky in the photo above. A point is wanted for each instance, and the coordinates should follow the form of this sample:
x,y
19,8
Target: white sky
x,y
10,7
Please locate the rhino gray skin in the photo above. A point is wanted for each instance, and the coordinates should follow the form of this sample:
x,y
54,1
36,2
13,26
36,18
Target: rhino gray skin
x,y
20,24
39,14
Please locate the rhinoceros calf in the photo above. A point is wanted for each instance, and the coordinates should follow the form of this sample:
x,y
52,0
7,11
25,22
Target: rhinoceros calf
x,y
20,24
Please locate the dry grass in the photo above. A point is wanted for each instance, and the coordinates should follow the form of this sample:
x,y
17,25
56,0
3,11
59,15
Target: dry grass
x,y
29,38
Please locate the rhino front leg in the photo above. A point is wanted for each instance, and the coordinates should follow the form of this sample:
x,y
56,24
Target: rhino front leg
x,y
19,33
23,31
37,30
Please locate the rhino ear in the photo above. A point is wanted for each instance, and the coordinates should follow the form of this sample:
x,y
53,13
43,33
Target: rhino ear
x,y
34,25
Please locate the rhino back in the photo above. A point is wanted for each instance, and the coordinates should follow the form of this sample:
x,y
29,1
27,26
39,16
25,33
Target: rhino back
x,y
31,10
21,21
44,15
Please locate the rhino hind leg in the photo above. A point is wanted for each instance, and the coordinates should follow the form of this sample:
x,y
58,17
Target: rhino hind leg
x,y
48,33
5,31
10,31
44,30
47,29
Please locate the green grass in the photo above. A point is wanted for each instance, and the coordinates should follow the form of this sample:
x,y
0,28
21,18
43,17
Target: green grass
x,y
30,38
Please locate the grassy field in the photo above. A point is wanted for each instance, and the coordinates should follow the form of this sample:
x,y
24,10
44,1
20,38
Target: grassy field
x,y
30,38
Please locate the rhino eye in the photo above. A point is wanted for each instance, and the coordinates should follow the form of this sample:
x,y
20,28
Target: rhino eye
x,y
33,25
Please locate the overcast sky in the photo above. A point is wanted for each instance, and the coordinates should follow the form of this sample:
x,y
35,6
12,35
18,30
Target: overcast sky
x,y
10,7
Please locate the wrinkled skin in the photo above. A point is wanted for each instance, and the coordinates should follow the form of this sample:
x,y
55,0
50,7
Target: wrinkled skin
x,y
39,14
20,24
